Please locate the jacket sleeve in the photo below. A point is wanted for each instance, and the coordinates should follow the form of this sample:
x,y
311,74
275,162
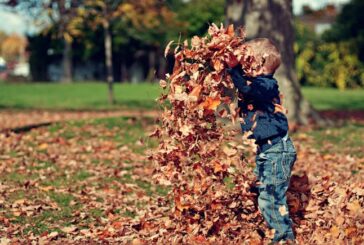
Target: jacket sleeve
x,y
264,89
239,80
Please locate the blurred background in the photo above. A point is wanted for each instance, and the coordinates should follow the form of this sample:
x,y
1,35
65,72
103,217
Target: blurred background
x,y
78,86
85,47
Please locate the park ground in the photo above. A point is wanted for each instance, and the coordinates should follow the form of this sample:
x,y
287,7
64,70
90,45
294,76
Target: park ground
x,y
81,169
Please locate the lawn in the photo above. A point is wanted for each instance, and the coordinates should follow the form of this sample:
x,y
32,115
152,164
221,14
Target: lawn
x,y
334,99
94,96
75,175
78,180
77,96
82,181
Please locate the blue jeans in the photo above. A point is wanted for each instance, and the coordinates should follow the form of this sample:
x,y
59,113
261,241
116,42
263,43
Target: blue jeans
x,y
273,171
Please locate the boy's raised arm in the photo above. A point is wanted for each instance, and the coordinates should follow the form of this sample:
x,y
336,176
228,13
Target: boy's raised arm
x,y
261,89
240,82
264,89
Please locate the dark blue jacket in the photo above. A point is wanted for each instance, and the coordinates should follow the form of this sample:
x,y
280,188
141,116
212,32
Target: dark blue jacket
x,y
256,105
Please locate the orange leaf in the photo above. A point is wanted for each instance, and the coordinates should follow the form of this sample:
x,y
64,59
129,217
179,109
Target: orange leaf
x,y
216,205
117,224
178,203
349,231
211,103
230,30
218,167
354,207
231,60
199,238
335,232
195,93
218,65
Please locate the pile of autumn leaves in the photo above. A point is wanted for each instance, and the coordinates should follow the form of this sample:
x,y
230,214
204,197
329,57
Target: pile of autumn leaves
x,y
197,156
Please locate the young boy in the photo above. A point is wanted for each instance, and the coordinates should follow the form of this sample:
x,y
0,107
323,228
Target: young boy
x,y
261,110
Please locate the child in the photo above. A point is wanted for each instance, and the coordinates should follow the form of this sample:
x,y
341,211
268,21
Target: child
x,y
261,110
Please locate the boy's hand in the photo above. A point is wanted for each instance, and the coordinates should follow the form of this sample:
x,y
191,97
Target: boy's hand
x,y
231,60
279,108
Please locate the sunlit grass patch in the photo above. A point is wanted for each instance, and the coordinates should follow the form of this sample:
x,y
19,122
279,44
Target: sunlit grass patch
x,y
346,139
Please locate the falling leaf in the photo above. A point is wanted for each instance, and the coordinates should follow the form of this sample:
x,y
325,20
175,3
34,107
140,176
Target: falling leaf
x,y
186,129
196,42
218,65
195,93
230,30
283,210
163,83
210,103
168,47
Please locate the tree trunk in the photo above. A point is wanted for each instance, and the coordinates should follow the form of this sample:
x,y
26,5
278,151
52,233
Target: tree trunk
x,y
124,71
67,62
162,65
108,60
152,64
274,20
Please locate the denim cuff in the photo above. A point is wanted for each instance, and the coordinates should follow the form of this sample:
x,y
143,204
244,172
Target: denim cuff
x,y
284,237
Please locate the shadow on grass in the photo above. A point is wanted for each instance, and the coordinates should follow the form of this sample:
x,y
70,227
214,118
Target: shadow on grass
x,y
91,106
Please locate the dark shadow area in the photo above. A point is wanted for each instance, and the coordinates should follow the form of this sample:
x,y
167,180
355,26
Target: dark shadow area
x,y
26,128
298,196
337,115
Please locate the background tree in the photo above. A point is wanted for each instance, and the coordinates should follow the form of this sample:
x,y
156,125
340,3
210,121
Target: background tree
x,y
3,36
13,48
103,13
151,23
198,14
274,20
57,17
326,63
349,27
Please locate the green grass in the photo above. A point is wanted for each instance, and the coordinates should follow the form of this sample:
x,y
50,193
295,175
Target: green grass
x,y
347,139
67,181
88,95
334,99
77,96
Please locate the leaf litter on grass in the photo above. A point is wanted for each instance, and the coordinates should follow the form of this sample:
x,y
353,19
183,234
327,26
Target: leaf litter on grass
x,y
46,195
58,186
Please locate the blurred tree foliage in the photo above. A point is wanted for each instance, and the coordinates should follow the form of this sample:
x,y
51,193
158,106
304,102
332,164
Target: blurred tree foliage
x,y
3,36
139,29
333,59
349,26
13,47
198,14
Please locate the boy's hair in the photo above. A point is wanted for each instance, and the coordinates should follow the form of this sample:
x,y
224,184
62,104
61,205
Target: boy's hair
x,y
265,53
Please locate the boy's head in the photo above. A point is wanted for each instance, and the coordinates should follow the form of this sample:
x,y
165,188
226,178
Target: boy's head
x,y
266,56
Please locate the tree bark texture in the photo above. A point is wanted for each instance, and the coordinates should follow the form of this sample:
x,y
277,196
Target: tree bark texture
x,y
273,19
108,61
152,63
67,62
